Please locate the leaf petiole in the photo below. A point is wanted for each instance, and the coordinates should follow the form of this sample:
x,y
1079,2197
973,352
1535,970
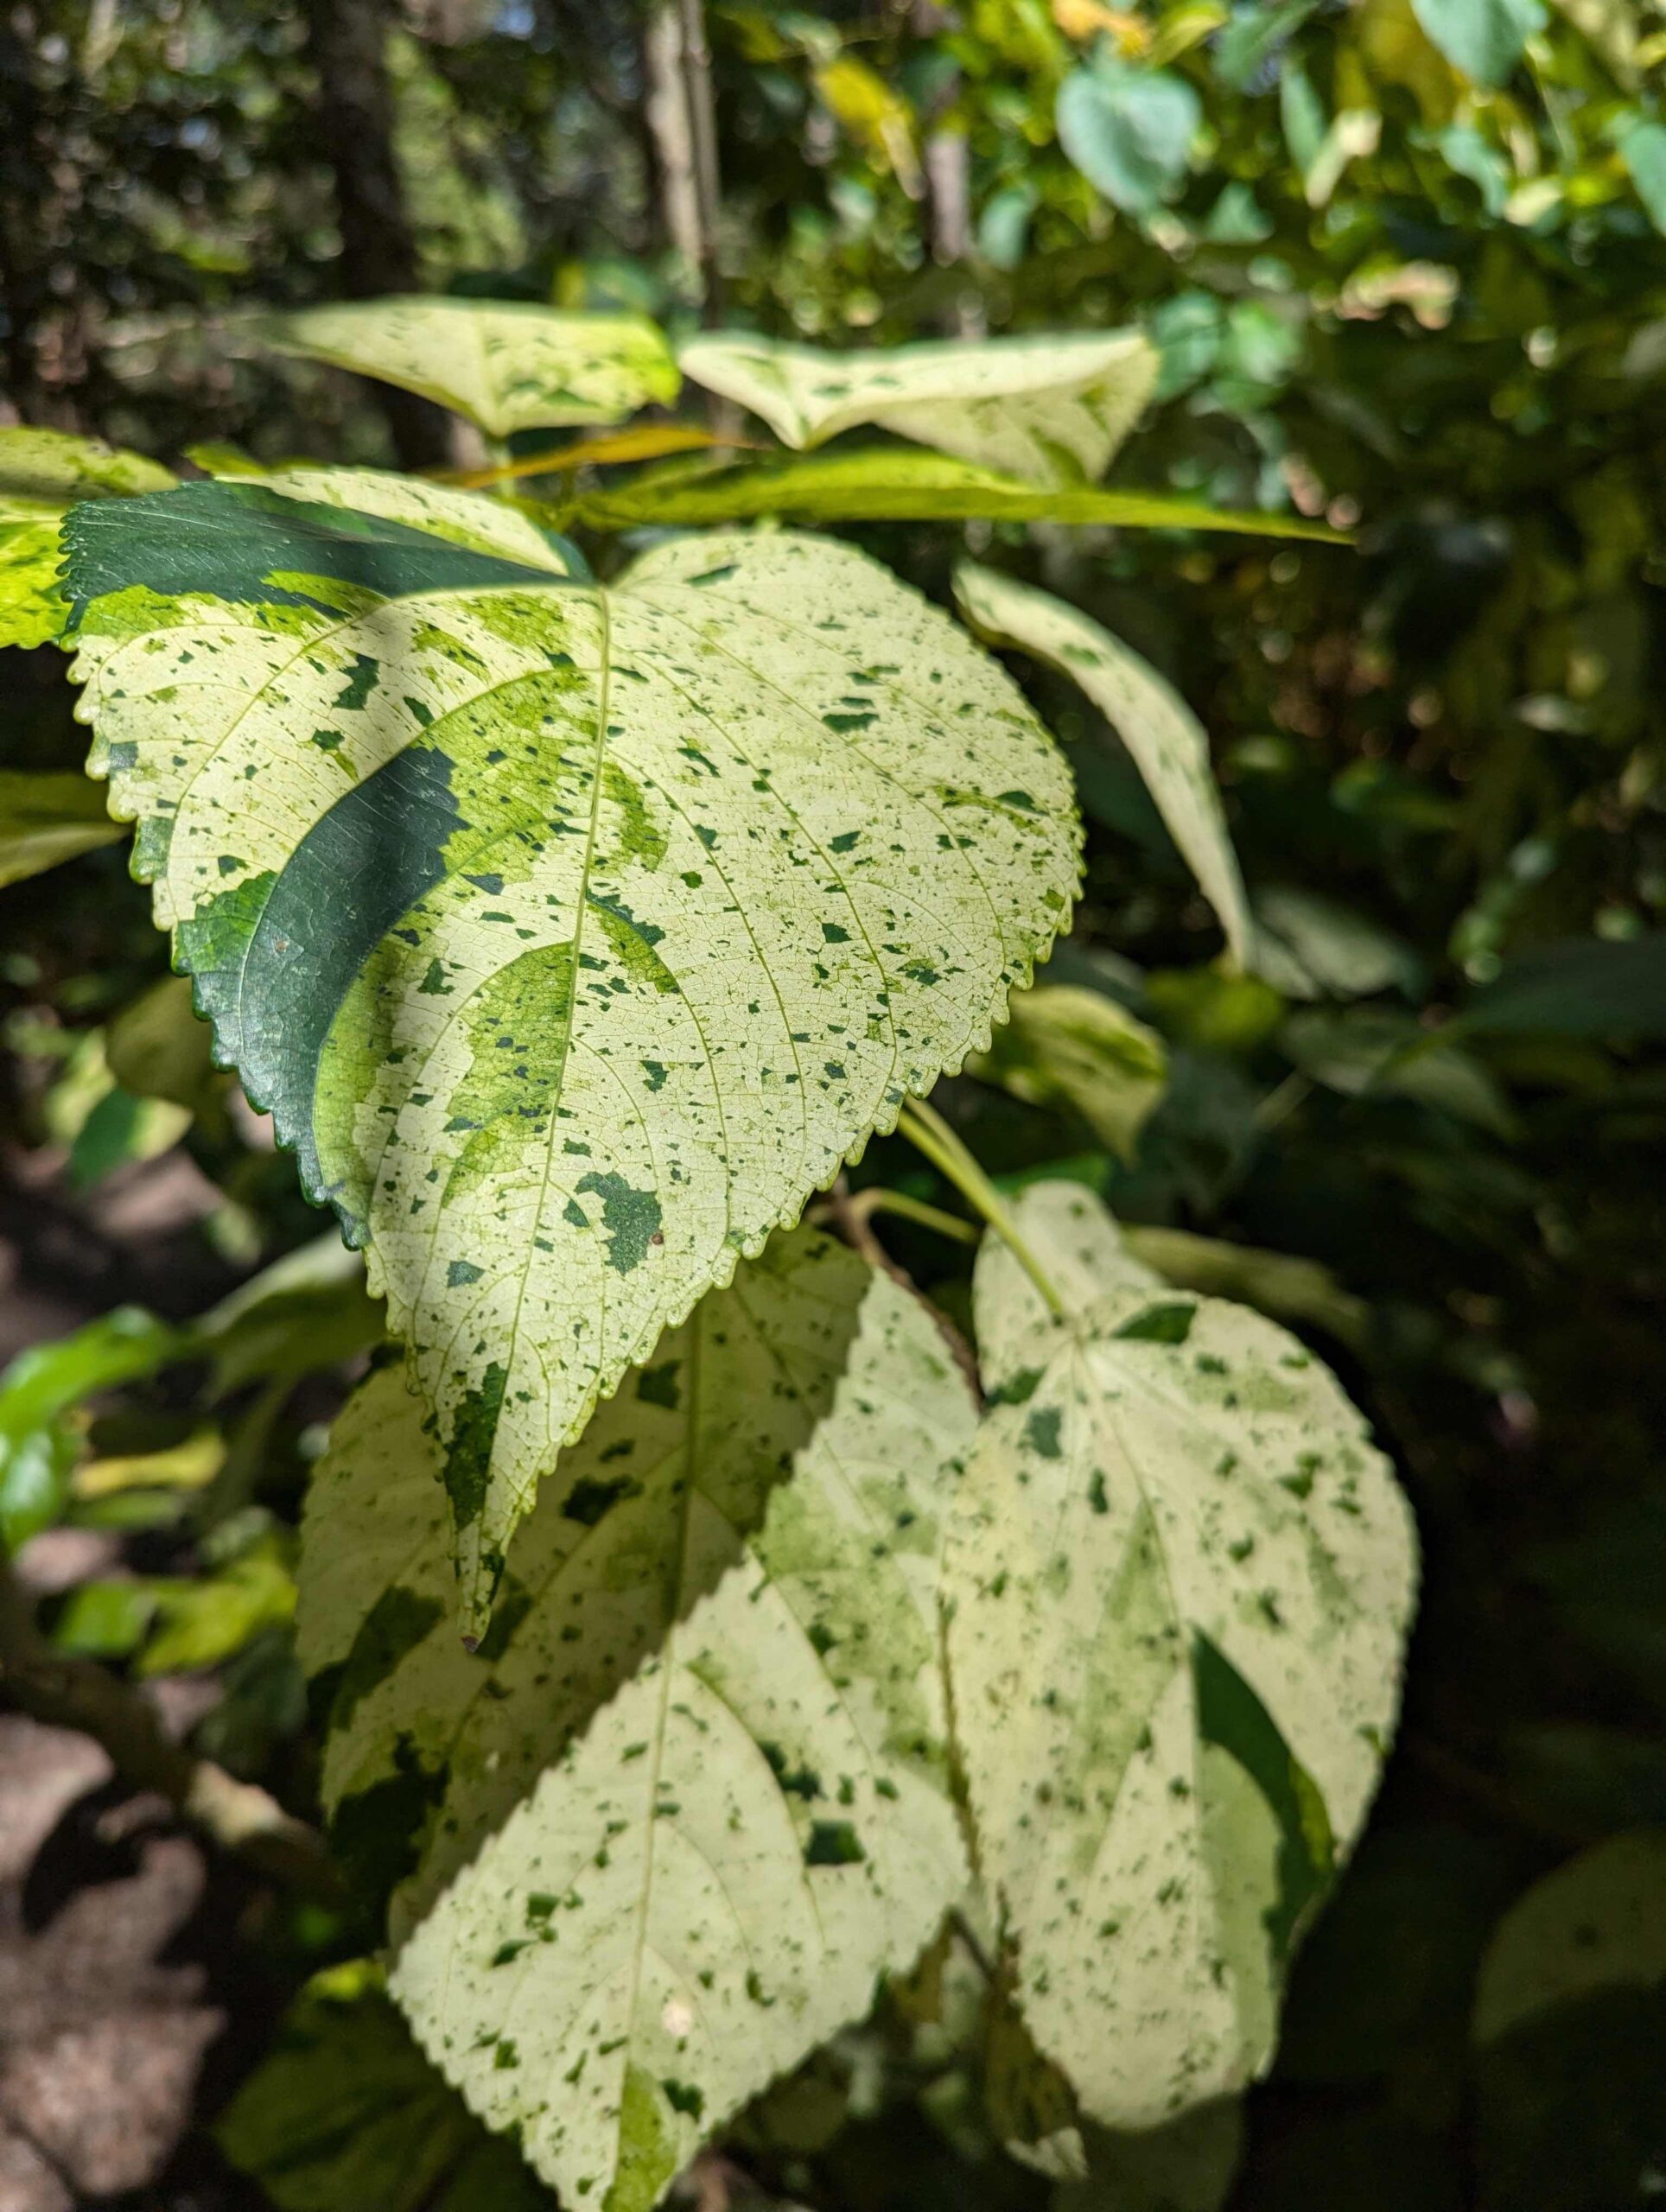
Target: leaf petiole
x,y
930,1134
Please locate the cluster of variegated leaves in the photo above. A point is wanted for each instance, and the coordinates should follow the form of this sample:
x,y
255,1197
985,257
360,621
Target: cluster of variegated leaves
x,y
574,934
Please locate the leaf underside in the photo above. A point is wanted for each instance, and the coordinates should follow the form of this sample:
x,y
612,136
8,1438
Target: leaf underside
x,y
707,1727
898,484
573,937
1051,409
1168,744
507,366
1179,1578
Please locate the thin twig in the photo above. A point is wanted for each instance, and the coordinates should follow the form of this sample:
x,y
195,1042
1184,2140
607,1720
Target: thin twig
x,y
855,1223
78,1694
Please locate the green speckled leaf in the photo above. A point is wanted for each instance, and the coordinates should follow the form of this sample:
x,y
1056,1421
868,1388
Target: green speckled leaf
x,y
1180,1577
42,472
506,366
572,936
1168,744
1051,408
894,484
720,1689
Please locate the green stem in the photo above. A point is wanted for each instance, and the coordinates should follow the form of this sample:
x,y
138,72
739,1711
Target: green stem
x,y
876,1199
927,1131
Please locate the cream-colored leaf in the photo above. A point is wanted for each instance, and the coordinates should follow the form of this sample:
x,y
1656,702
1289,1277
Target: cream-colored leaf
x,y
506,365
1051,408
1180,1577
572,936
705,1745
1166,741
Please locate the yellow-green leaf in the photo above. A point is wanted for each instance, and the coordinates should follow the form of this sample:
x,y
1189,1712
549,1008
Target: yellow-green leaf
x,y
42,474
506,366
895,484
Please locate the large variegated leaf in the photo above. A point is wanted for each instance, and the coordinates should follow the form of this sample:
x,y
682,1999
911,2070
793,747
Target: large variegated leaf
x,y
895,484
508,367
1169,745
572,936
715,1673
1051,408
41,473
1180,1576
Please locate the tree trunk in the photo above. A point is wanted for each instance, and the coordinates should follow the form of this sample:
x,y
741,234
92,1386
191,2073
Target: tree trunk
x,y
347,40
682,124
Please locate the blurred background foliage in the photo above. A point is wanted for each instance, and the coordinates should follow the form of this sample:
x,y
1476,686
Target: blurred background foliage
x,y
1406,264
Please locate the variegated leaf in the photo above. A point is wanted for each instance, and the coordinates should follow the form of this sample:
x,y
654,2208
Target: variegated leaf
x,y
1051,409
41,473
506,365
1168,744
573,937
1180,1577
708,1730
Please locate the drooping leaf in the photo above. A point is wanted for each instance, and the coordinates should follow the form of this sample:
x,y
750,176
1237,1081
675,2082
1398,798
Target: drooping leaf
x,y
893,484
41,1386
1484,38
1180,1577
1065,1045
45,819
1127,130
1166,741
730,1682
42,474
1051,409
504,364
345,2111
573,937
